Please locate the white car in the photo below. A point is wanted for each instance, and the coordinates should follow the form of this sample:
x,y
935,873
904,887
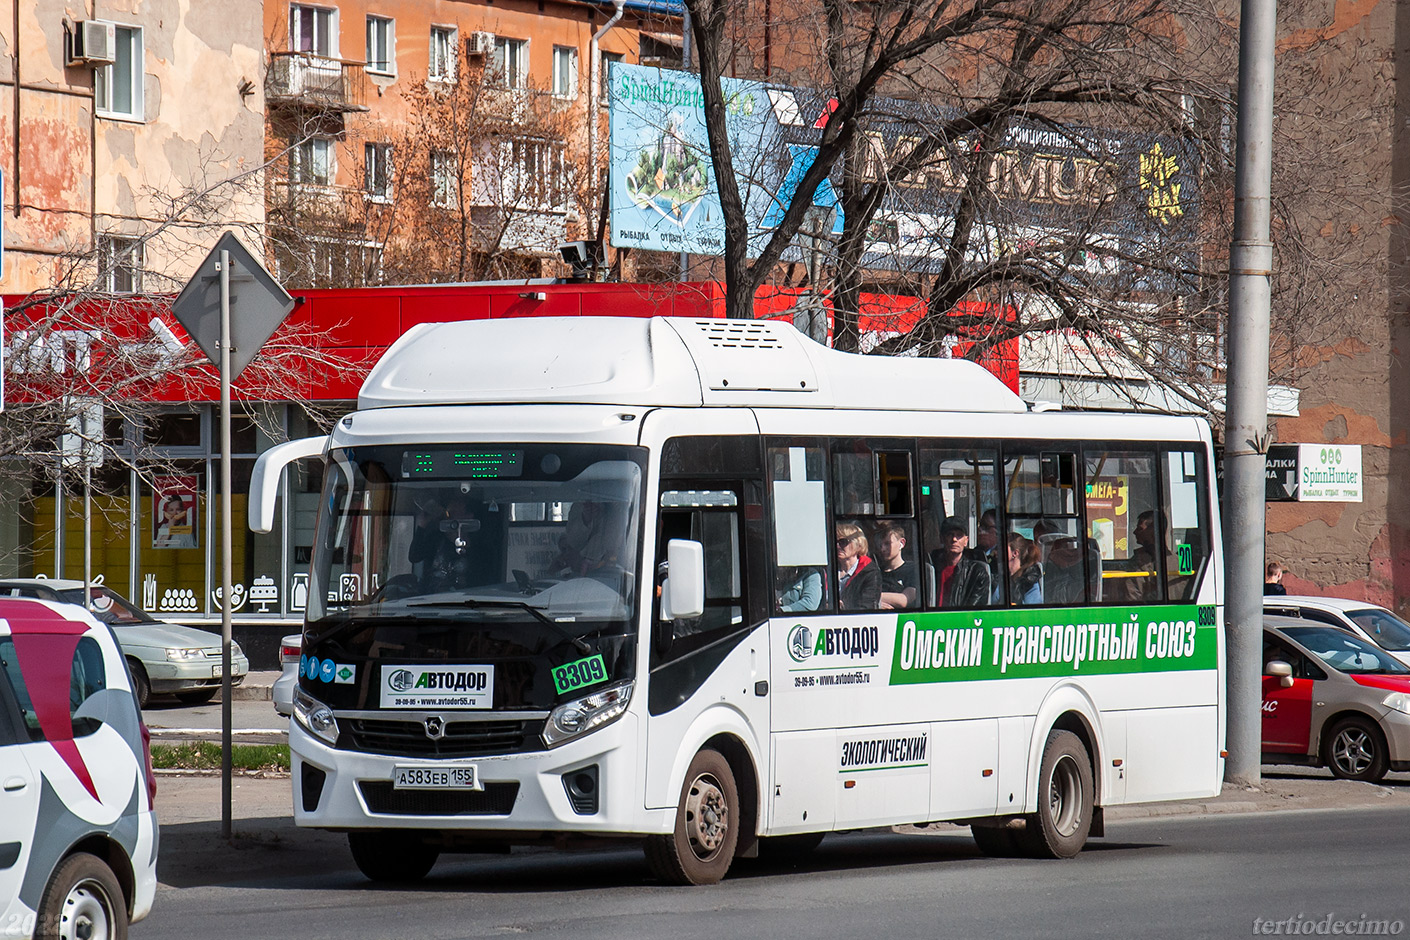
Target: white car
x,y
289,649
1371,622
78,836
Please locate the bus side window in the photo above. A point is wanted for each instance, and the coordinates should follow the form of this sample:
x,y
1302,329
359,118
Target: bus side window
x,y
959,486
1041,504
717,530
798,497
1185,504
1124,524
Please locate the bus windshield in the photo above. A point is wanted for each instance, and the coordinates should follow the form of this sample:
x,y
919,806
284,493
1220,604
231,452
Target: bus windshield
x,y
539,534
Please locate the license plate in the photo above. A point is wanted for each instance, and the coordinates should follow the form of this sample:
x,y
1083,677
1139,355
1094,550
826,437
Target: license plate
x,y
458,777
215,672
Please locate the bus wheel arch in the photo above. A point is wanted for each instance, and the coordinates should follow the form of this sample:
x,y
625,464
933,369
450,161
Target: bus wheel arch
x,y
746,778
1067,708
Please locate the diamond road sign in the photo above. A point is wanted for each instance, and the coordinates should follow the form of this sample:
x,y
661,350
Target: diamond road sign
x,y
258,304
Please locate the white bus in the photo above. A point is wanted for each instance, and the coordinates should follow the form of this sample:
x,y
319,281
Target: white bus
x,y
712,586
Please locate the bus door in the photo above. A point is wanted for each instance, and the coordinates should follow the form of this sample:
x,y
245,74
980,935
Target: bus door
x,y
710,492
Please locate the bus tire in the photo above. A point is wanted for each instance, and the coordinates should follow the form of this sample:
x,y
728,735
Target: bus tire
x,y
996,842
701,847
1065,798
391,855
1355,750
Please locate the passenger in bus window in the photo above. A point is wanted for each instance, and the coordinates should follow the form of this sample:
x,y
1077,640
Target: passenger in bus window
x,y
1025,573
1063,577
859,579
898,576
798,590
1142,583
961,582
442,543
988,549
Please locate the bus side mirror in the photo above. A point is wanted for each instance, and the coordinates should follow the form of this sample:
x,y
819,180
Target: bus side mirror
x,y
683,592
264,480
1280,669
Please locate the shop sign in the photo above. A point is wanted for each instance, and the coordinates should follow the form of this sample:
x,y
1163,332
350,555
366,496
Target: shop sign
x,y
1329,473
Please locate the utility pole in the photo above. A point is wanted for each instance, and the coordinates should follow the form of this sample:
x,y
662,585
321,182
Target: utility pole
x,y
1246,413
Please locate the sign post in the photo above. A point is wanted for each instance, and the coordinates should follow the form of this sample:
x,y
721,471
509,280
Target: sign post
x,y
204,308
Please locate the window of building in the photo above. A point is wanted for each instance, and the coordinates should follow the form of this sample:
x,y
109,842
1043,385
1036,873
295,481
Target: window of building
x,y
381,45
511,62
607,59
441,67
117,88
377,171
535,173
312,162
120,263
565,71
445,180
314,30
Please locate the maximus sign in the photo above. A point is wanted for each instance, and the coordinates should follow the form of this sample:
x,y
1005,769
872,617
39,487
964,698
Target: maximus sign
x,y
1121,197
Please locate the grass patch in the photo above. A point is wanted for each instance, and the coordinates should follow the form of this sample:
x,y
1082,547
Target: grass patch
x,y
205,755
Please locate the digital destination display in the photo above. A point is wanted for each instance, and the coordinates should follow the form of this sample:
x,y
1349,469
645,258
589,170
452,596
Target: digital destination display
x,y
451,463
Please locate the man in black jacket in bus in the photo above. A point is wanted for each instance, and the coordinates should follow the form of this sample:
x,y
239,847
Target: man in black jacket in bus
x,y
960,581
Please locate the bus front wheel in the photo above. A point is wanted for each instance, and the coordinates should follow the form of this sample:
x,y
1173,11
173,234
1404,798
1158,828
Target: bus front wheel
x,y
1065,799
392,855
701,847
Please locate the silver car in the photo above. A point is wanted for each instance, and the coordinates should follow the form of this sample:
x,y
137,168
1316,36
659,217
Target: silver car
x,y
165,658
1371,622
290,649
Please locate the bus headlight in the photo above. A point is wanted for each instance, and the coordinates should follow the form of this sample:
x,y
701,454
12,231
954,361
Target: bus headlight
x,y
315,717
1400,701
588,713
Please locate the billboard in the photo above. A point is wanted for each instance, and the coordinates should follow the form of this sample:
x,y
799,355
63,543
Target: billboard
x,y
1117,198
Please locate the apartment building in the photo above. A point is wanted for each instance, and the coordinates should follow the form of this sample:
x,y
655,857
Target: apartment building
x,y
440,139
131,134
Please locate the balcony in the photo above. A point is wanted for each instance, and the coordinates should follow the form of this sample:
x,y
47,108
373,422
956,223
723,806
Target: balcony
x,y
304,80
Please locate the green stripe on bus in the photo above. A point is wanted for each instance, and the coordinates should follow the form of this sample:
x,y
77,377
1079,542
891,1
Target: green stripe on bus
x,y
1019,643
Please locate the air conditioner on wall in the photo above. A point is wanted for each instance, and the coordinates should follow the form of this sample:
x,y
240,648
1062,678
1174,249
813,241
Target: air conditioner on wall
x,y
480,43
94,42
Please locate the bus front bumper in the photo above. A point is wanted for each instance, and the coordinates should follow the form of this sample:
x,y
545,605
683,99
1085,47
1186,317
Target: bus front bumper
x,y
525,794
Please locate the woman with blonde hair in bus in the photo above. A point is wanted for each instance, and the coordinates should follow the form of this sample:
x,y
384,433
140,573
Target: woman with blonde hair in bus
x,y
858,577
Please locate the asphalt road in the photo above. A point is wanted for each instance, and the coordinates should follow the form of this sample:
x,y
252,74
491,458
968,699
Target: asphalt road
x,y
1175,877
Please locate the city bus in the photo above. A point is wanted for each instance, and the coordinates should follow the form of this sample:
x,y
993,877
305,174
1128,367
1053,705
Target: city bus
x,y
717,588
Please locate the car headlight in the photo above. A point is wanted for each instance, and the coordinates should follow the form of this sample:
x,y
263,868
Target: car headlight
x,y
1400,701
316,717
185,656
588,713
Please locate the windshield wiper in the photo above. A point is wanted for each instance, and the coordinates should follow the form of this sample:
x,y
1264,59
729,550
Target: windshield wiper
x,y
537,612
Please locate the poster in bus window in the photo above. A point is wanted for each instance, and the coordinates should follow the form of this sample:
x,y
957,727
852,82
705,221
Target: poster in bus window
x,y
1108,501
174,511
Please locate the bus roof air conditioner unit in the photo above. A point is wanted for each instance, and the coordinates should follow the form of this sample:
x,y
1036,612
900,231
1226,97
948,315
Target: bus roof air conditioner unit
x,y
94,42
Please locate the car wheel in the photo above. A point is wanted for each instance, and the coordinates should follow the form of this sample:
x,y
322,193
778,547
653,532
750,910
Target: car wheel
x,y
1355,750
141,685
392,855
82,900
701,848
1065,798
196,696
996,842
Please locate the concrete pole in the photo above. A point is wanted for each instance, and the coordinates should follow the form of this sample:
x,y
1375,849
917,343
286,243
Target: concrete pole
x,y
1246,416
226,539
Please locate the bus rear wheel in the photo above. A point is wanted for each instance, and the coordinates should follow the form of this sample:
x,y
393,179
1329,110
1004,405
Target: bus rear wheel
x,y
701,847
1065,800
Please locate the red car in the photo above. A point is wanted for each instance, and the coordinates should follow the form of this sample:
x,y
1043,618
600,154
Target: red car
x,y
1332,699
